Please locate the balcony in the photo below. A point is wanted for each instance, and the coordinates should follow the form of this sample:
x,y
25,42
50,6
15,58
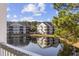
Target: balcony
x,y
10,50
7,49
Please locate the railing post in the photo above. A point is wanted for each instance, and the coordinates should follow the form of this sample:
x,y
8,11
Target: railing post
x,y
9,50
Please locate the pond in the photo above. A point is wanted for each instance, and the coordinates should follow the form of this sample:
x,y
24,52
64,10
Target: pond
x,y
44,46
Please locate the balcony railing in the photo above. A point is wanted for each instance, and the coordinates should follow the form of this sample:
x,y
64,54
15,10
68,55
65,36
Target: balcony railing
x,y
10,50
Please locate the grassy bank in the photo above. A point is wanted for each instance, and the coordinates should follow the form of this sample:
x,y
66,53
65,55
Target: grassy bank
x,y
62,39
41,35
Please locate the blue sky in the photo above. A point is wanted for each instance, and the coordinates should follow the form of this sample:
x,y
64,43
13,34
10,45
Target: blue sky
x,y
30,12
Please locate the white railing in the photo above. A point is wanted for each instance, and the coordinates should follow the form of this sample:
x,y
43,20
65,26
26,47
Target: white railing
x,y
9,50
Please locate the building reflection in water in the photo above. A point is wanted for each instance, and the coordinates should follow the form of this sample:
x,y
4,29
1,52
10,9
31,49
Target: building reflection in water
x,y
45,42
18,41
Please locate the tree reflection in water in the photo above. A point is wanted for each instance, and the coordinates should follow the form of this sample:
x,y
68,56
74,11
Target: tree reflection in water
x,y
45,42
68,50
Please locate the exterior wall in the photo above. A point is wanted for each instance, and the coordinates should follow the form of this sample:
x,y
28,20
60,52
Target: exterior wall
x,y
3,30
51,29
42,28
17,33
45,28
17,28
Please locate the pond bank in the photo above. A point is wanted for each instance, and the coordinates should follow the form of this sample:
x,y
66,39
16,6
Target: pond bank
x,y
41,35
62,39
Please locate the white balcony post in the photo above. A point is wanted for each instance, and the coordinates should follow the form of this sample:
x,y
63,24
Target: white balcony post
x,y
3,23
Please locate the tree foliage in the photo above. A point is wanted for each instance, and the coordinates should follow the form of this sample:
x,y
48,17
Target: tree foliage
x,y
65,6
66,50
33,26
66,23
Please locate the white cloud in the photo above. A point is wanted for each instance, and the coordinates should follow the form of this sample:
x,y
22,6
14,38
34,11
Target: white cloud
x,y
37,14
48,19
44,20
13,20
8,9
29,8
8,16
37,9
42,7
40,20
29,19
14,16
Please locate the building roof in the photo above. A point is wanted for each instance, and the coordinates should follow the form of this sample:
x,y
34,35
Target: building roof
x,y
19,23
49,24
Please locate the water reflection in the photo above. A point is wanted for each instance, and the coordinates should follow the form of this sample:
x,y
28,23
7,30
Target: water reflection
x,y
45,42
68,50
18,41
43,45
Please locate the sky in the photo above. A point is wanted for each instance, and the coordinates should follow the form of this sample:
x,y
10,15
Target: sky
x,y
30,12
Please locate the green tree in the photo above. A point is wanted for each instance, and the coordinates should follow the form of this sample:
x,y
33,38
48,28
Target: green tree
x,y
33,26
67,22
66,50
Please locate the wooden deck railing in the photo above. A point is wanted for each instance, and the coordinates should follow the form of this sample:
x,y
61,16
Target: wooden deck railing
x,y
9,50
